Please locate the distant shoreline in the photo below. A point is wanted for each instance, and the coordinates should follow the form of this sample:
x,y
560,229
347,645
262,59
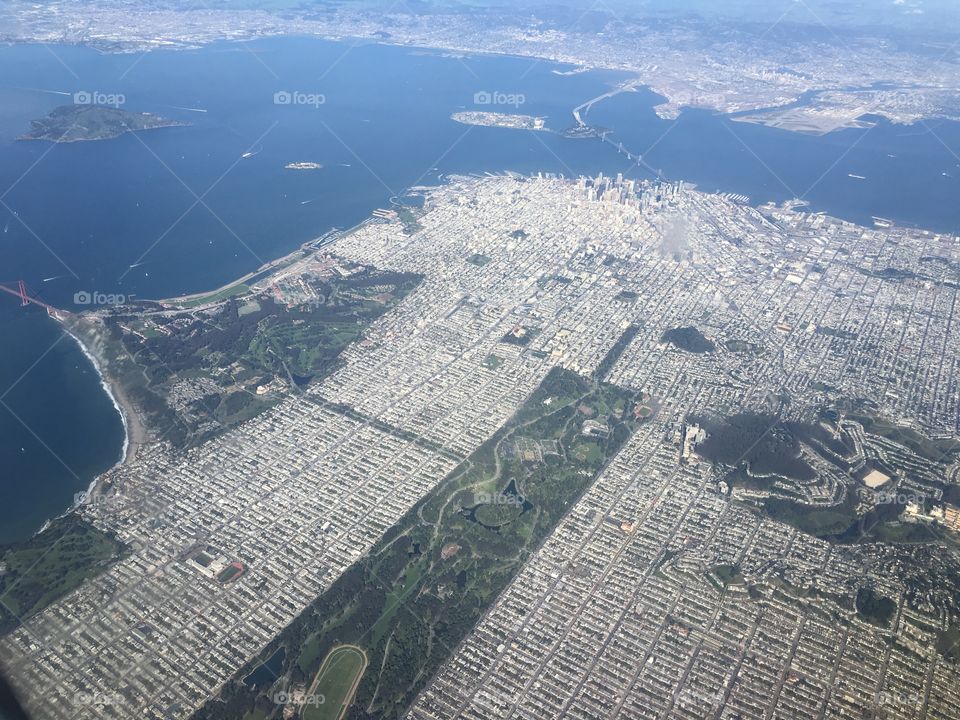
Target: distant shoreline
x,y
55,141
135,433
104,138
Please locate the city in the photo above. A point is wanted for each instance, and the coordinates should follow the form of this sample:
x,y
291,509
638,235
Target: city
x,y
682,582
708,63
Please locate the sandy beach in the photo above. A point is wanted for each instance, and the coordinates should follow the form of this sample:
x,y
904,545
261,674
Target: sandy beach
x,y
135,432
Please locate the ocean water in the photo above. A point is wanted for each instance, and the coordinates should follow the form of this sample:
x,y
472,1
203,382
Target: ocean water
x,y
182,209
907,173
58,427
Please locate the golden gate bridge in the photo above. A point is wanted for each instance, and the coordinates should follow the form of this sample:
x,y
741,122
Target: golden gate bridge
x,y
27,299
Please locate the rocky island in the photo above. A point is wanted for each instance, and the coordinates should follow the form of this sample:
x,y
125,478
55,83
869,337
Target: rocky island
x,y
73,123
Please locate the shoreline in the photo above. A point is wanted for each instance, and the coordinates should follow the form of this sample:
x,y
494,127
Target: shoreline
x,y
134,431
268,268
136,434
61,141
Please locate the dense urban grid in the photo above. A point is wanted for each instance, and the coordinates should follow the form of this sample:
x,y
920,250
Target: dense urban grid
x,y
680,582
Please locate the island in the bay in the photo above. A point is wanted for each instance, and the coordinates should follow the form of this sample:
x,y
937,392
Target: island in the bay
x,y
73,123
492,119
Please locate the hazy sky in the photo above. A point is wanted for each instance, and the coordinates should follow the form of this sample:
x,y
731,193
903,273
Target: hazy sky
x,y
940,15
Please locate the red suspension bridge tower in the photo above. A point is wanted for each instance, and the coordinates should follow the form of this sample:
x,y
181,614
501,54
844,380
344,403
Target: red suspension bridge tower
x,y
27,299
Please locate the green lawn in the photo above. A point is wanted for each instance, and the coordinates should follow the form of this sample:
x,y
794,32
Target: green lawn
x,y
336,682
495,515
492,362
948,644
587,451
395,599
409,601
310,655
478,259
51,564
233,290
